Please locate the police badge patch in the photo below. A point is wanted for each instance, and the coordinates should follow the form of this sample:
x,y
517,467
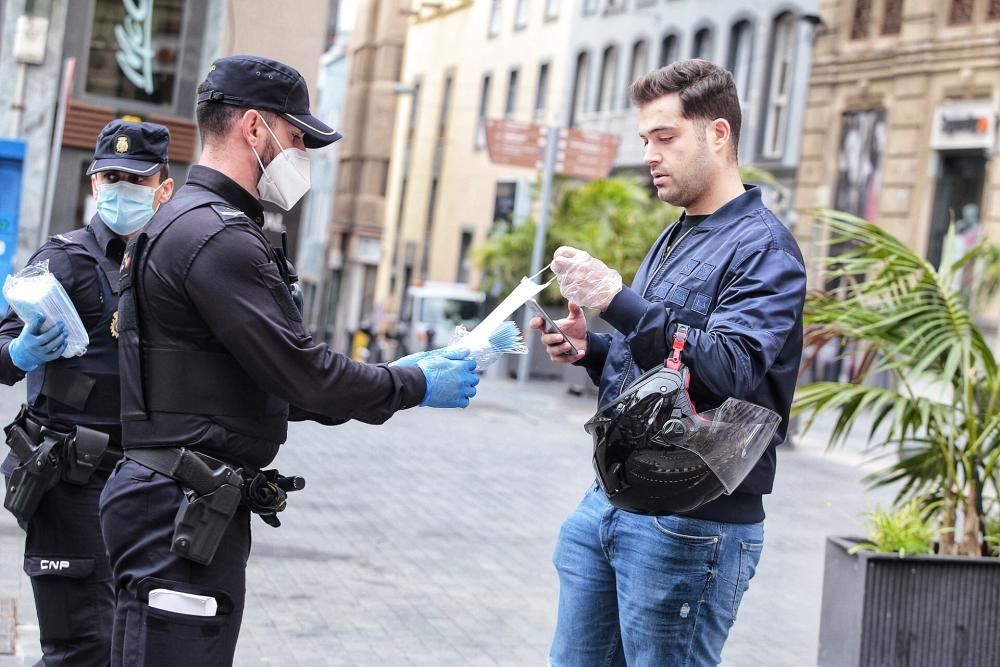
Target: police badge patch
x,y
114,325
121,144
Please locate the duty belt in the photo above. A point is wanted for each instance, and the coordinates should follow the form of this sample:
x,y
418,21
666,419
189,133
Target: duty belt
x,y
86,454
48,454
214,490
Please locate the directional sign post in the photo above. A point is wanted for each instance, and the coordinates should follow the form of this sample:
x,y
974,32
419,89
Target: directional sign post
x,y
571,152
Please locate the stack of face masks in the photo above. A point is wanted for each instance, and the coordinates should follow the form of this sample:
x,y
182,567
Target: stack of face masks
x,y
34,290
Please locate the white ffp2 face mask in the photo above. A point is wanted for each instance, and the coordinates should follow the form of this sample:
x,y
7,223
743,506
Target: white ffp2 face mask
x,y
286,178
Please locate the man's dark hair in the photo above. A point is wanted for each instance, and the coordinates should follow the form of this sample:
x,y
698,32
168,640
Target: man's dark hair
x,y
164,172
215,119
706,90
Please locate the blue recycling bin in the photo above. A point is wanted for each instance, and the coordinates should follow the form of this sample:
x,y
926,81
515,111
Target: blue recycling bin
x,y
11,175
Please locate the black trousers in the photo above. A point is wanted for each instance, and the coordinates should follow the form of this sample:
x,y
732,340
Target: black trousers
x,y
138,507
65,558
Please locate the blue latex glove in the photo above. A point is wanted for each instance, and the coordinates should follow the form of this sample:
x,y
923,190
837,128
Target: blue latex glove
x,y
35,347
412,359
451,378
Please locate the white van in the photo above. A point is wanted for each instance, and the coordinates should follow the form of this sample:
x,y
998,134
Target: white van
x,y
435,309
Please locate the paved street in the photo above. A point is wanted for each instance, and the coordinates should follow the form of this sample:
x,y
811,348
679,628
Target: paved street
x,y
426,541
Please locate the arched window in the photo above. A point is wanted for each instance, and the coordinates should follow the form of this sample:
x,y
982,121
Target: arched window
x,y
669,49
640,62
738,62
580,81
704,44
781,75
606,87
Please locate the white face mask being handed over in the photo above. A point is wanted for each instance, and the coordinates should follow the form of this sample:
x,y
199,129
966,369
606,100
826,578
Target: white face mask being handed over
x,y
286,178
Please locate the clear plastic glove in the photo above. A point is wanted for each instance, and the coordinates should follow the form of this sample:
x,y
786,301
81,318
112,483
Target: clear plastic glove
x,y
585,280
35,347
451,378
412,359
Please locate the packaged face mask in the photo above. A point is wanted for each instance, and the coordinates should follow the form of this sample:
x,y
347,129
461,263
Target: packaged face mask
x,y
35,291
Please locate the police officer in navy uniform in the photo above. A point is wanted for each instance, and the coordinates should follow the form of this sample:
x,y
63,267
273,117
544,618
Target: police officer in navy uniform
x,y
215,361
73,403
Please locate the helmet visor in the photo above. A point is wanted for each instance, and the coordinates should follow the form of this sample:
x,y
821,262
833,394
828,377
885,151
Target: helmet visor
x,y
729,439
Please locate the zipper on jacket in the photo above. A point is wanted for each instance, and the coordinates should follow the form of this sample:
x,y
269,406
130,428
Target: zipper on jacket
x,y
652,277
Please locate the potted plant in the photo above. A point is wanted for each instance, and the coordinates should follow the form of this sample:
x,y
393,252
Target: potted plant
x,y
937,419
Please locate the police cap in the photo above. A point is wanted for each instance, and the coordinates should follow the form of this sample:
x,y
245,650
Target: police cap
x,y
135,148
259,83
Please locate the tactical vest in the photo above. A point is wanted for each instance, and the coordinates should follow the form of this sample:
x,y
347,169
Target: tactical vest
x,y
84,389
159,374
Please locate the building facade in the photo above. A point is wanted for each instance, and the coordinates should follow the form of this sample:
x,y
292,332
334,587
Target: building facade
x,y
568,64
77,64
374,59
766,44
901,121
465,62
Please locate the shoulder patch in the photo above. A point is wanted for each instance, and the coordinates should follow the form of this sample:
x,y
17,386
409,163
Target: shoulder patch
x,y
228,212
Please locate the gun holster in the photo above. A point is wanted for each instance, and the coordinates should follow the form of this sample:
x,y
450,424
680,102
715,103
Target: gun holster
x,y
38,472
202,520
212,494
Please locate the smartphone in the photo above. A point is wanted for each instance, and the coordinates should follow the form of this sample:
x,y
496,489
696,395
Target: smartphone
x,y
551,328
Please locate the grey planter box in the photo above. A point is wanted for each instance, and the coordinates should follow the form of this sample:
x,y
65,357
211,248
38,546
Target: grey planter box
x,y
880,610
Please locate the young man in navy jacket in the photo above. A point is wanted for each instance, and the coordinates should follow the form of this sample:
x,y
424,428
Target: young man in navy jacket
x,y
663,591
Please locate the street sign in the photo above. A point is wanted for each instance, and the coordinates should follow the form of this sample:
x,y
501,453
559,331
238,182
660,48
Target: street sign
x,y
516,144
586,155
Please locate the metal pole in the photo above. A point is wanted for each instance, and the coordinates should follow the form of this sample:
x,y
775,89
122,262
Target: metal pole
x,y
548,169
55,150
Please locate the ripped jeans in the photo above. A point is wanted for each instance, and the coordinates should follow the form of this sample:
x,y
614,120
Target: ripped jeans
x,y
648,591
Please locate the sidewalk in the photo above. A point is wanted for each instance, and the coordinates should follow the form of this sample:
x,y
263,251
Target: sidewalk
x,y
427,541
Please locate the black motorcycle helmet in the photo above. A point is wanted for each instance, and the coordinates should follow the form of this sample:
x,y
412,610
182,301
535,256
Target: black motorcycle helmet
x,y
655,454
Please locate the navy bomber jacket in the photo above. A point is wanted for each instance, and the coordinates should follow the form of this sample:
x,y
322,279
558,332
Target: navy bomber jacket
x,y
738,280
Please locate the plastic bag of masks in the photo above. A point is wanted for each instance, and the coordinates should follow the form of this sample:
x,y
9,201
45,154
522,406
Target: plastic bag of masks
x,y
34,290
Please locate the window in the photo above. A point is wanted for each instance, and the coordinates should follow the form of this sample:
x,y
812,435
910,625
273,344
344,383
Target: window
x,y
521,15
704,44
783,50
425,259
511,103
862,19
414,108
484,105
606,86
961,11
580,87
640,61
740,47
494,27
994,11
612,6
892,20
541,91
589,7
445,103
668,50
135,49
551,9
462,274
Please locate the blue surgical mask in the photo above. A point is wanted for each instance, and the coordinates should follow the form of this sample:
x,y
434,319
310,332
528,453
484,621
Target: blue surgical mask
x,y
125,207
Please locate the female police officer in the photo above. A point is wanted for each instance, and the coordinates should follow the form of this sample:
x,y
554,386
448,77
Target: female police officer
x,y
213,353
76,401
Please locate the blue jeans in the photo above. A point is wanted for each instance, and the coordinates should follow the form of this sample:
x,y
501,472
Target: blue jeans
x,y
648,591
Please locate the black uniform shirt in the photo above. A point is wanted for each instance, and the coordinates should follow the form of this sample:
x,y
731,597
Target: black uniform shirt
x,y
209,283
77,275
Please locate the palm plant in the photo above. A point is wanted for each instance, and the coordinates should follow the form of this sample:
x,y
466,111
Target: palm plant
x,y
907,319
